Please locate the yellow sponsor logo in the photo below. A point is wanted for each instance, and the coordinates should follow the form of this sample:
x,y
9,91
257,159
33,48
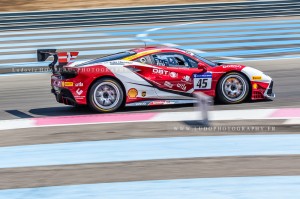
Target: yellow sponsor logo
x,y
256,78
132,93
132,57
67,84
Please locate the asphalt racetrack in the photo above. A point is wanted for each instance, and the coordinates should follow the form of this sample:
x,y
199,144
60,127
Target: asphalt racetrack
x,y
153,159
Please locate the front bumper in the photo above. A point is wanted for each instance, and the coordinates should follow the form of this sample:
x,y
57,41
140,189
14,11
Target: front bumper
x,y
269,91
262,90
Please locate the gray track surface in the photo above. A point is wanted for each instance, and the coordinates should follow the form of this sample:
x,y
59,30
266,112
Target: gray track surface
x,y
150,170
154,14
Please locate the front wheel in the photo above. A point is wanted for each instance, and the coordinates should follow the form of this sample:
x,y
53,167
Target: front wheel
x,y
233,88
106,95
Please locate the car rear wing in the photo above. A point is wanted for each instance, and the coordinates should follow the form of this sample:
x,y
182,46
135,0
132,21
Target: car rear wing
x,y
60,59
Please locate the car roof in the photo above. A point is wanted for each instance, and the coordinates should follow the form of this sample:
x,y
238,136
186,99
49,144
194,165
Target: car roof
x,y
147,48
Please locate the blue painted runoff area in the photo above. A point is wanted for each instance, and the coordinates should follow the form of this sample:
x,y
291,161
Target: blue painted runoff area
x,y
242,44
198,39
145,27
200,24
238,33
234,33
104,42
262,187
43,37
200,46
233,28
294,28
148,149
51,44
205,32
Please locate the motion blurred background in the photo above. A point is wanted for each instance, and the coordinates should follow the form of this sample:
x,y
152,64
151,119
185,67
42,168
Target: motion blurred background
x,y
49,150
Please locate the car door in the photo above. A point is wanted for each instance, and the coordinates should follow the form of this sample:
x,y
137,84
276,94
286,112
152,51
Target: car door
x,y
174,72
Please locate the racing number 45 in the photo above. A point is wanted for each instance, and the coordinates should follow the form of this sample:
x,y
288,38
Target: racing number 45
x,y
202,81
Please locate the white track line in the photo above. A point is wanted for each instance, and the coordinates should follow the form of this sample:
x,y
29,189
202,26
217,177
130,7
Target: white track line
x,y
223,115
294,121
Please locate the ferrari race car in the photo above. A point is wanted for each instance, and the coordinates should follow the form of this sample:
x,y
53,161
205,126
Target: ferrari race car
x,y
150,76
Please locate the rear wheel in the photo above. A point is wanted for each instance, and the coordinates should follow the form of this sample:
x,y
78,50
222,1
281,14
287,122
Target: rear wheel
x,y
233,88
106,95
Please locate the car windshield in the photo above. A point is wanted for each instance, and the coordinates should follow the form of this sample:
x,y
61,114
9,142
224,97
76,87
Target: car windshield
x,y
210,63
112,57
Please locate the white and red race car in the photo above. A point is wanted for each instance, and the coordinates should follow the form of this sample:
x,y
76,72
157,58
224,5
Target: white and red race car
x,y
151,76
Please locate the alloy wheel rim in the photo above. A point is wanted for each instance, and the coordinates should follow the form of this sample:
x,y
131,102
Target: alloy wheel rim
x,y
106,95
234,87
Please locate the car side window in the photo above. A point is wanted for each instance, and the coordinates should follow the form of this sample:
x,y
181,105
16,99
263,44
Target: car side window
x,y
170,60
144,60
193,63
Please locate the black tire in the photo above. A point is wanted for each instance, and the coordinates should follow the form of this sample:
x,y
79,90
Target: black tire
x,y
106,95
233,88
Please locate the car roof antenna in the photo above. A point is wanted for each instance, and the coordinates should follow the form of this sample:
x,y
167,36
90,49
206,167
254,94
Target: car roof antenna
x,y
145,44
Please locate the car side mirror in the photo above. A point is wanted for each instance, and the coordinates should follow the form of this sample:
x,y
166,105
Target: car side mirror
x,y
202,66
